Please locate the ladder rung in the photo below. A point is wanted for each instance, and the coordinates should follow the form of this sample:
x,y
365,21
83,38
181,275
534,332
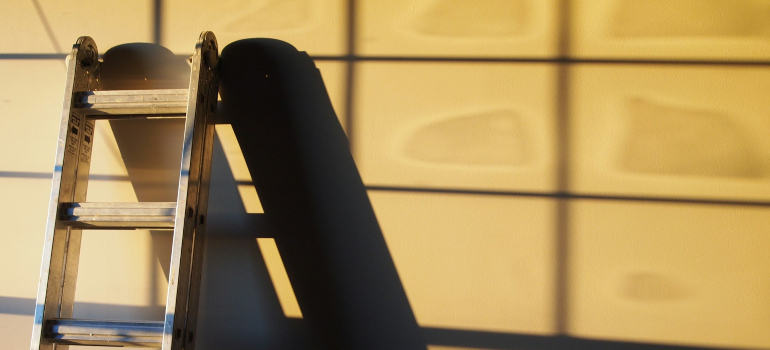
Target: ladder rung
x,y
104,333
169,102
119,215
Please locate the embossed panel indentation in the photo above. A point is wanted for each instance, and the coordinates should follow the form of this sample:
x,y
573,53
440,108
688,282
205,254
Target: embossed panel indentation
x,y
472,18
275,15
675,140
690,18
651,287
497,138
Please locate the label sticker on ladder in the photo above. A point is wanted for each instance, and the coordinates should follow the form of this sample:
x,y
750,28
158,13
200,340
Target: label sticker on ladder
x,y
85,152
72,137
72,142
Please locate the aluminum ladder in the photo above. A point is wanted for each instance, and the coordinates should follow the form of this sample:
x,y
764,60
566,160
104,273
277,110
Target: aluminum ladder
x,y
69,213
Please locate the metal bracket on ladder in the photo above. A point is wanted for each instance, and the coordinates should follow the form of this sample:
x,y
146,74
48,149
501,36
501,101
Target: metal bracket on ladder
x,y
69,213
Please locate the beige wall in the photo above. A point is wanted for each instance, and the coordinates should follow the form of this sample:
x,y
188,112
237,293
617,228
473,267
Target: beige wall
x,y
597,180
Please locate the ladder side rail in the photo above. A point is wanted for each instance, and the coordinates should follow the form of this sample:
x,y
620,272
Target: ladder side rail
x,y
58,272
81,191
187,201
199,235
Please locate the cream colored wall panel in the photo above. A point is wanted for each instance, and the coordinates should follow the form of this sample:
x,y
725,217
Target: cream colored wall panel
x,y
473,262
526,28
476,126
110,23
119,269
678,29
16,331
316,26
671,131
670,273
30,109
335,76
23,31
23,212
109,180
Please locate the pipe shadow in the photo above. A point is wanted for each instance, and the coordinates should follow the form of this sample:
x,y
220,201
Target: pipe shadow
x,y
150,149
238,308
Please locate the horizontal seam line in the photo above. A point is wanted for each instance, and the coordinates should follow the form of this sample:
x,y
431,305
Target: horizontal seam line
x,y
569,195
553,60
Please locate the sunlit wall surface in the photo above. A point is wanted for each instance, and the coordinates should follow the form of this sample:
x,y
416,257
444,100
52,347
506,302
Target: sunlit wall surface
x,y
592,168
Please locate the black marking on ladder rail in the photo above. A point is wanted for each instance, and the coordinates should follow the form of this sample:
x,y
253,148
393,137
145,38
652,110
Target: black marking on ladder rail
x,y
72,135
85,155
85,152
72,142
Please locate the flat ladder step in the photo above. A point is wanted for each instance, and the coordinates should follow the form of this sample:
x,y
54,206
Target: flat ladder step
x,y
168,102
152,215
105,333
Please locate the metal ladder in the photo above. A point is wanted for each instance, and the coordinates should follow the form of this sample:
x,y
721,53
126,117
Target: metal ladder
x,y
69,214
